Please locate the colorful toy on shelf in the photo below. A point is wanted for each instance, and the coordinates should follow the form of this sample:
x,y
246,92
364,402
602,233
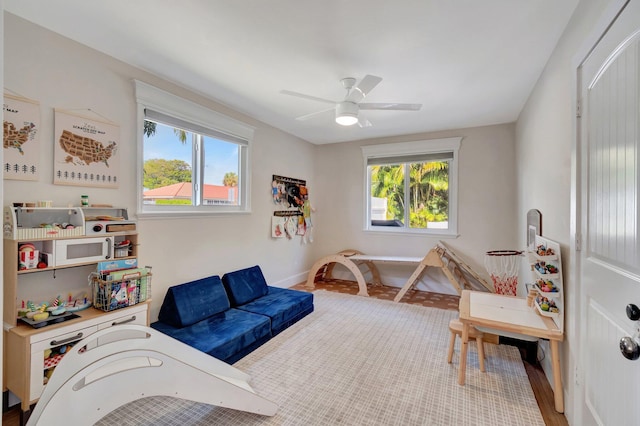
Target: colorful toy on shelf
x,y
542,250
34,310
28,256
56,308
31,308
22,311
546,304
41,315
546,286
78,303
52,357
545,268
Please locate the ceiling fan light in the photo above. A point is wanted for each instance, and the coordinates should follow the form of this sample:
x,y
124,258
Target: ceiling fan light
x,y
347,113
346,119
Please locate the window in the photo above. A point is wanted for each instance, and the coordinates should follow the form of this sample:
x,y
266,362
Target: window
x,y
412,187
194,160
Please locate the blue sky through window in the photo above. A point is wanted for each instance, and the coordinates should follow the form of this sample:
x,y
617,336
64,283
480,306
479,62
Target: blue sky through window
x,y
220,157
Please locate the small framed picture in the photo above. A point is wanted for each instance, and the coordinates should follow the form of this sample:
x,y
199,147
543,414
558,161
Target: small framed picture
x,y
534,227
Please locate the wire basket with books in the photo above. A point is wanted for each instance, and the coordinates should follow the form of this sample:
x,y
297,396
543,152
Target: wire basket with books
x,y
116,289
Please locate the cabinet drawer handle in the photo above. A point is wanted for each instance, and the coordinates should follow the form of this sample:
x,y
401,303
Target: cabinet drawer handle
x,y
67,340
133,318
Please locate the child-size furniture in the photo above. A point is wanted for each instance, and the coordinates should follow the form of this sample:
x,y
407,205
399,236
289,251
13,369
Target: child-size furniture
x,y
455,327
230,317
93,372
460,275
32,350
509,315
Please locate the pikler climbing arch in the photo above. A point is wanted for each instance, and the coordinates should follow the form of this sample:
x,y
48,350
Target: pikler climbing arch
x,y
460,275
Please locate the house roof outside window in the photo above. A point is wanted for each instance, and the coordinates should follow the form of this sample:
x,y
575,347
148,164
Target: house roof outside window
x,y
212,194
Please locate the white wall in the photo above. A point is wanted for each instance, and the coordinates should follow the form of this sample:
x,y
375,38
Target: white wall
x,y
1,189
486,201
545,138
60,73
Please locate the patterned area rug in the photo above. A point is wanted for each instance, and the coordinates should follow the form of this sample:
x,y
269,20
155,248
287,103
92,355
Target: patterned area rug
x,y
363,361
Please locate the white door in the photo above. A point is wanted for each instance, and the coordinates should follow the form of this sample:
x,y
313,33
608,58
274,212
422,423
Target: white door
x,y
609,219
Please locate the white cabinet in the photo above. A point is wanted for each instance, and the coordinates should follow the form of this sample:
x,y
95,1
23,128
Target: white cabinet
x,y
32,354
46,353
133,316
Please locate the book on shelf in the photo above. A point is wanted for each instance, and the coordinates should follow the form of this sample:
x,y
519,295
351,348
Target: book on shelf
x,y
106,267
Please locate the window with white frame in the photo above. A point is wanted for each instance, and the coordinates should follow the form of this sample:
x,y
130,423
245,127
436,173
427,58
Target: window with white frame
x,y
412,186
193,160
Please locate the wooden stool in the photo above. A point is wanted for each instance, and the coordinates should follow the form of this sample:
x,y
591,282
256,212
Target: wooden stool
x,y
455,326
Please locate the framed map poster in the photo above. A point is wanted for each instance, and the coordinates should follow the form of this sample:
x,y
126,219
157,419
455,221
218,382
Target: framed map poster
x,y
20,141
85,151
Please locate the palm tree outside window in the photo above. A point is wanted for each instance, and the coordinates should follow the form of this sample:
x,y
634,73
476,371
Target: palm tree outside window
x,y
411,187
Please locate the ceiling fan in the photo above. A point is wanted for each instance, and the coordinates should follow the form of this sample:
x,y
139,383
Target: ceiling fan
x,y
347,109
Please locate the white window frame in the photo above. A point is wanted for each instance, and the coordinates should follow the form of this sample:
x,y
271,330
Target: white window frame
x,y
160,101
422,147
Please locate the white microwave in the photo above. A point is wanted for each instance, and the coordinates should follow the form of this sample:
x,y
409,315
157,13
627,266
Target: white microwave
x,y
83,250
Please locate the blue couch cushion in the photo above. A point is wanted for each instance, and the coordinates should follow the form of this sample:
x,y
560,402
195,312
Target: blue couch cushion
x,y
284,306
189,303
223,335
245,285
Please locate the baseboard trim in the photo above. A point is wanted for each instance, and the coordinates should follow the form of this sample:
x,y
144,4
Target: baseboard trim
x,y
292,280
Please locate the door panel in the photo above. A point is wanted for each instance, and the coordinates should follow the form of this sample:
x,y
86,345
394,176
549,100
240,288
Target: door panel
x,y
610,259
611,385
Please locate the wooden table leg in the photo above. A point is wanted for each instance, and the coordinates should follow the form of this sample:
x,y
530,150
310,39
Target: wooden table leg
x,y
558,392
463,353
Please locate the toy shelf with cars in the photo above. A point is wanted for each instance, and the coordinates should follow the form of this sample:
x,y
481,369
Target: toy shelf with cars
x,y
547,291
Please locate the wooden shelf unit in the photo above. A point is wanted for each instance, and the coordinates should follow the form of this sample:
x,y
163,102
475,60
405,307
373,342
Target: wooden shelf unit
x,y
24,345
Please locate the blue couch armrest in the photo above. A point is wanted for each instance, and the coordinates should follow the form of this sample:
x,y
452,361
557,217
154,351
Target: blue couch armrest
x,y
189,303
245,285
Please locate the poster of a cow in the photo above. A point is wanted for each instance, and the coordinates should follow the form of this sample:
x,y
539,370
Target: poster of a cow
x,y
85,151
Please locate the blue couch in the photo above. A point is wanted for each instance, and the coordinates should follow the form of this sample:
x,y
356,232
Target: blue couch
x,y
230,317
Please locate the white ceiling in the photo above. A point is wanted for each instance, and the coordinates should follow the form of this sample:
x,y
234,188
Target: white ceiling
x,y
469,62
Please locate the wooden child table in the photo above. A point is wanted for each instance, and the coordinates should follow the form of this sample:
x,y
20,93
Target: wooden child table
x,y
512,315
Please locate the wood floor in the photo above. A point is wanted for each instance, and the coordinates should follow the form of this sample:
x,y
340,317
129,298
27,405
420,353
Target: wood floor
x,y
539,382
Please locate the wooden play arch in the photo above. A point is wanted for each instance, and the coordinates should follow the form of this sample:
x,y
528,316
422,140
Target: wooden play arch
x,y
460,275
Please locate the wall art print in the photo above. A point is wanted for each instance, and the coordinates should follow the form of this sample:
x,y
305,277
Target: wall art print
x,y
287,223
85,151
293,195
20,141
289,192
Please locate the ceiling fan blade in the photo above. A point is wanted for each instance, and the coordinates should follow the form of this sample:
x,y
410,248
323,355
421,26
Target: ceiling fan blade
x,y
313,114
363,122
309,97
391,106
362,89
